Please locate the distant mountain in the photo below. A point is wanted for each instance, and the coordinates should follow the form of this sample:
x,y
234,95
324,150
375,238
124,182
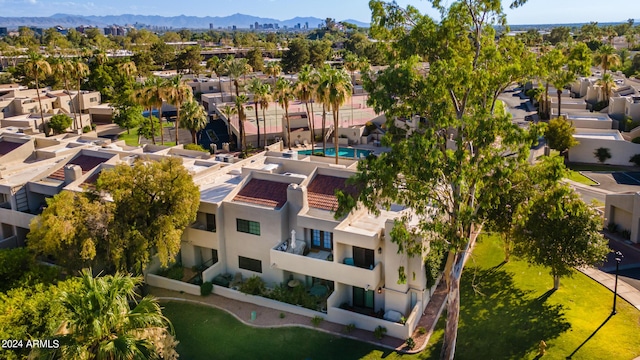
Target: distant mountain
x,y
176,22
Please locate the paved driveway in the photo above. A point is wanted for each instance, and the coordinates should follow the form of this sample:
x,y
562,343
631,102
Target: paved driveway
x,y
616,181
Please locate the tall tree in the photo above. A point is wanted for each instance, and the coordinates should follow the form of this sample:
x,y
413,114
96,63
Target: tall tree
x,y
216,66
237,68
105,320
177,93
149,218
559,134
351,63
241,100
63,68
303,91
284,94
606,57
560,231
228,112
37,69
193,118
442,168
339,91
154,89
273,69
255,87
79,71
321,95
297,55
264,99
607,83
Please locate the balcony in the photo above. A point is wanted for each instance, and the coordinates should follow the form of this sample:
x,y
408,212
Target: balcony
x,y
323,268
198,235
16,218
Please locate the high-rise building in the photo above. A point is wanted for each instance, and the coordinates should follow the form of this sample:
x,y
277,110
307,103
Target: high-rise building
x,y
3,31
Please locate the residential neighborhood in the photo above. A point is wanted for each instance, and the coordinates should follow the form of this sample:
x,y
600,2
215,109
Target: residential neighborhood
x,y
406,189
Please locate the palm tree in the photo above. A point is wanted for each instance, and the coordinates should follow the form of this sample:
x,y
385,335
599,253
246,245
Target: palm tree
x,y
38,69
607,83
351,63
237,68
321,95
105,320
62,69
561,79
193,117
284,93
303,91
228,112
142,97
155,89
274,69
242,117
255,87
264,98
177,93
79,71
216,66
607,57
339,92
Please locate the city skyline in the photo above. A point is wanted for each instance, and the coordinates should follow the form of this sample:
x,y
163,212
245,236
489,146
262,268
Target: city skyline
x,y
533,12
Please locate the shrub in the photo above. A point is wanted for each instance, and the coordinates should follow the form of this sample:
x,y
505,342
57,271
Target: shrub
x,y
253,286
612,227
60,122
636,140
316,320
349,328
626,234
282,315
379,332
602,154
403,320
410,343
635,159
86,129
175,272
601,105
422,330
195,147
206,288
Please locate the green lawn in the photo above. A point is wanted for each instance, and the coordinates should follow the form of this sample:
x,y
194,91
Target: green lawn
x,y
206,333
577,177
506,309
131,139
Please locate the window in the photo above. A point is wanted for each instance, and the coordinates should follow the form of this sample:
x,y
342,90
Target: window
x,y
249,227
93,99
362,257
211,88
211,222
250,264
362,298
322,240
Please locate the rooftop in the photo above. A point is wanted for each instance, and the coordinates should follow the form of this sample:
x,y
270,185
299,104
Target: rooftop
x,y
86,162
263,192
321,191
7,146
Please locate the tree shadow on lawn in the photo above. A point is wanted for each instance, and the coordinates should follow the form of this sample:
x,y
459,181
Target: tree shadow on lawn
x,y
500,321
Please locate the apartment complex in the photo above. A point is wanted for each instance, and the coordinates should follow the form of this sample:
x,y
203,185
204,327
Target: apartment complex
x,y
20,106
271,215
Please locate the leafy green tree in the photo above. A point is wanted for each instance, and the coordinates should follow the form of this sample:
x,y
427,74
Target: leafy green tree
x,y
149,218
190,59
442,168
73,229
297,55
602,154
559,34
128,116
32,312
255,59
60,123
105,320
193,118
18,268
561,232
162,54
149,129
319,52
559,134
217,66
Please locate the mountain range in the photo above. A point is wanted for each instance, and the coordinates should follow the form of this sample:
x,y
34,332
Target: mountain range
x,y
176,22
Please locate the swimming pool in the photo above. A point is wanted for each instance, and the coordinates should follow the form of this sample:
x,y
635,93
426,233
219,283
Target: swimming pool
x,y
342,152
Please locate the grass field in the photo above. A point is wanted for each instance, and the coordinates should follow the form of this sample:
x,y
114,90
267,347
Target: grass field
x,y
131,139
577,177
506,309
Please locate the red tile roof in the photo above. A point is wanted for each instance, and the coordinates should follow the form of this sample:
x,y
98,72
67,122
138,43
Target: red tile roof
x,y
321,191
263,192
7,146
86,162
90,182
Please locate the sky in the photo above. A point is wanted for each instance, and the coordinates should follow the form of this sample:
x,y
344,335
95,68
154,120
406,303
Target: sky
x,y
533,12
